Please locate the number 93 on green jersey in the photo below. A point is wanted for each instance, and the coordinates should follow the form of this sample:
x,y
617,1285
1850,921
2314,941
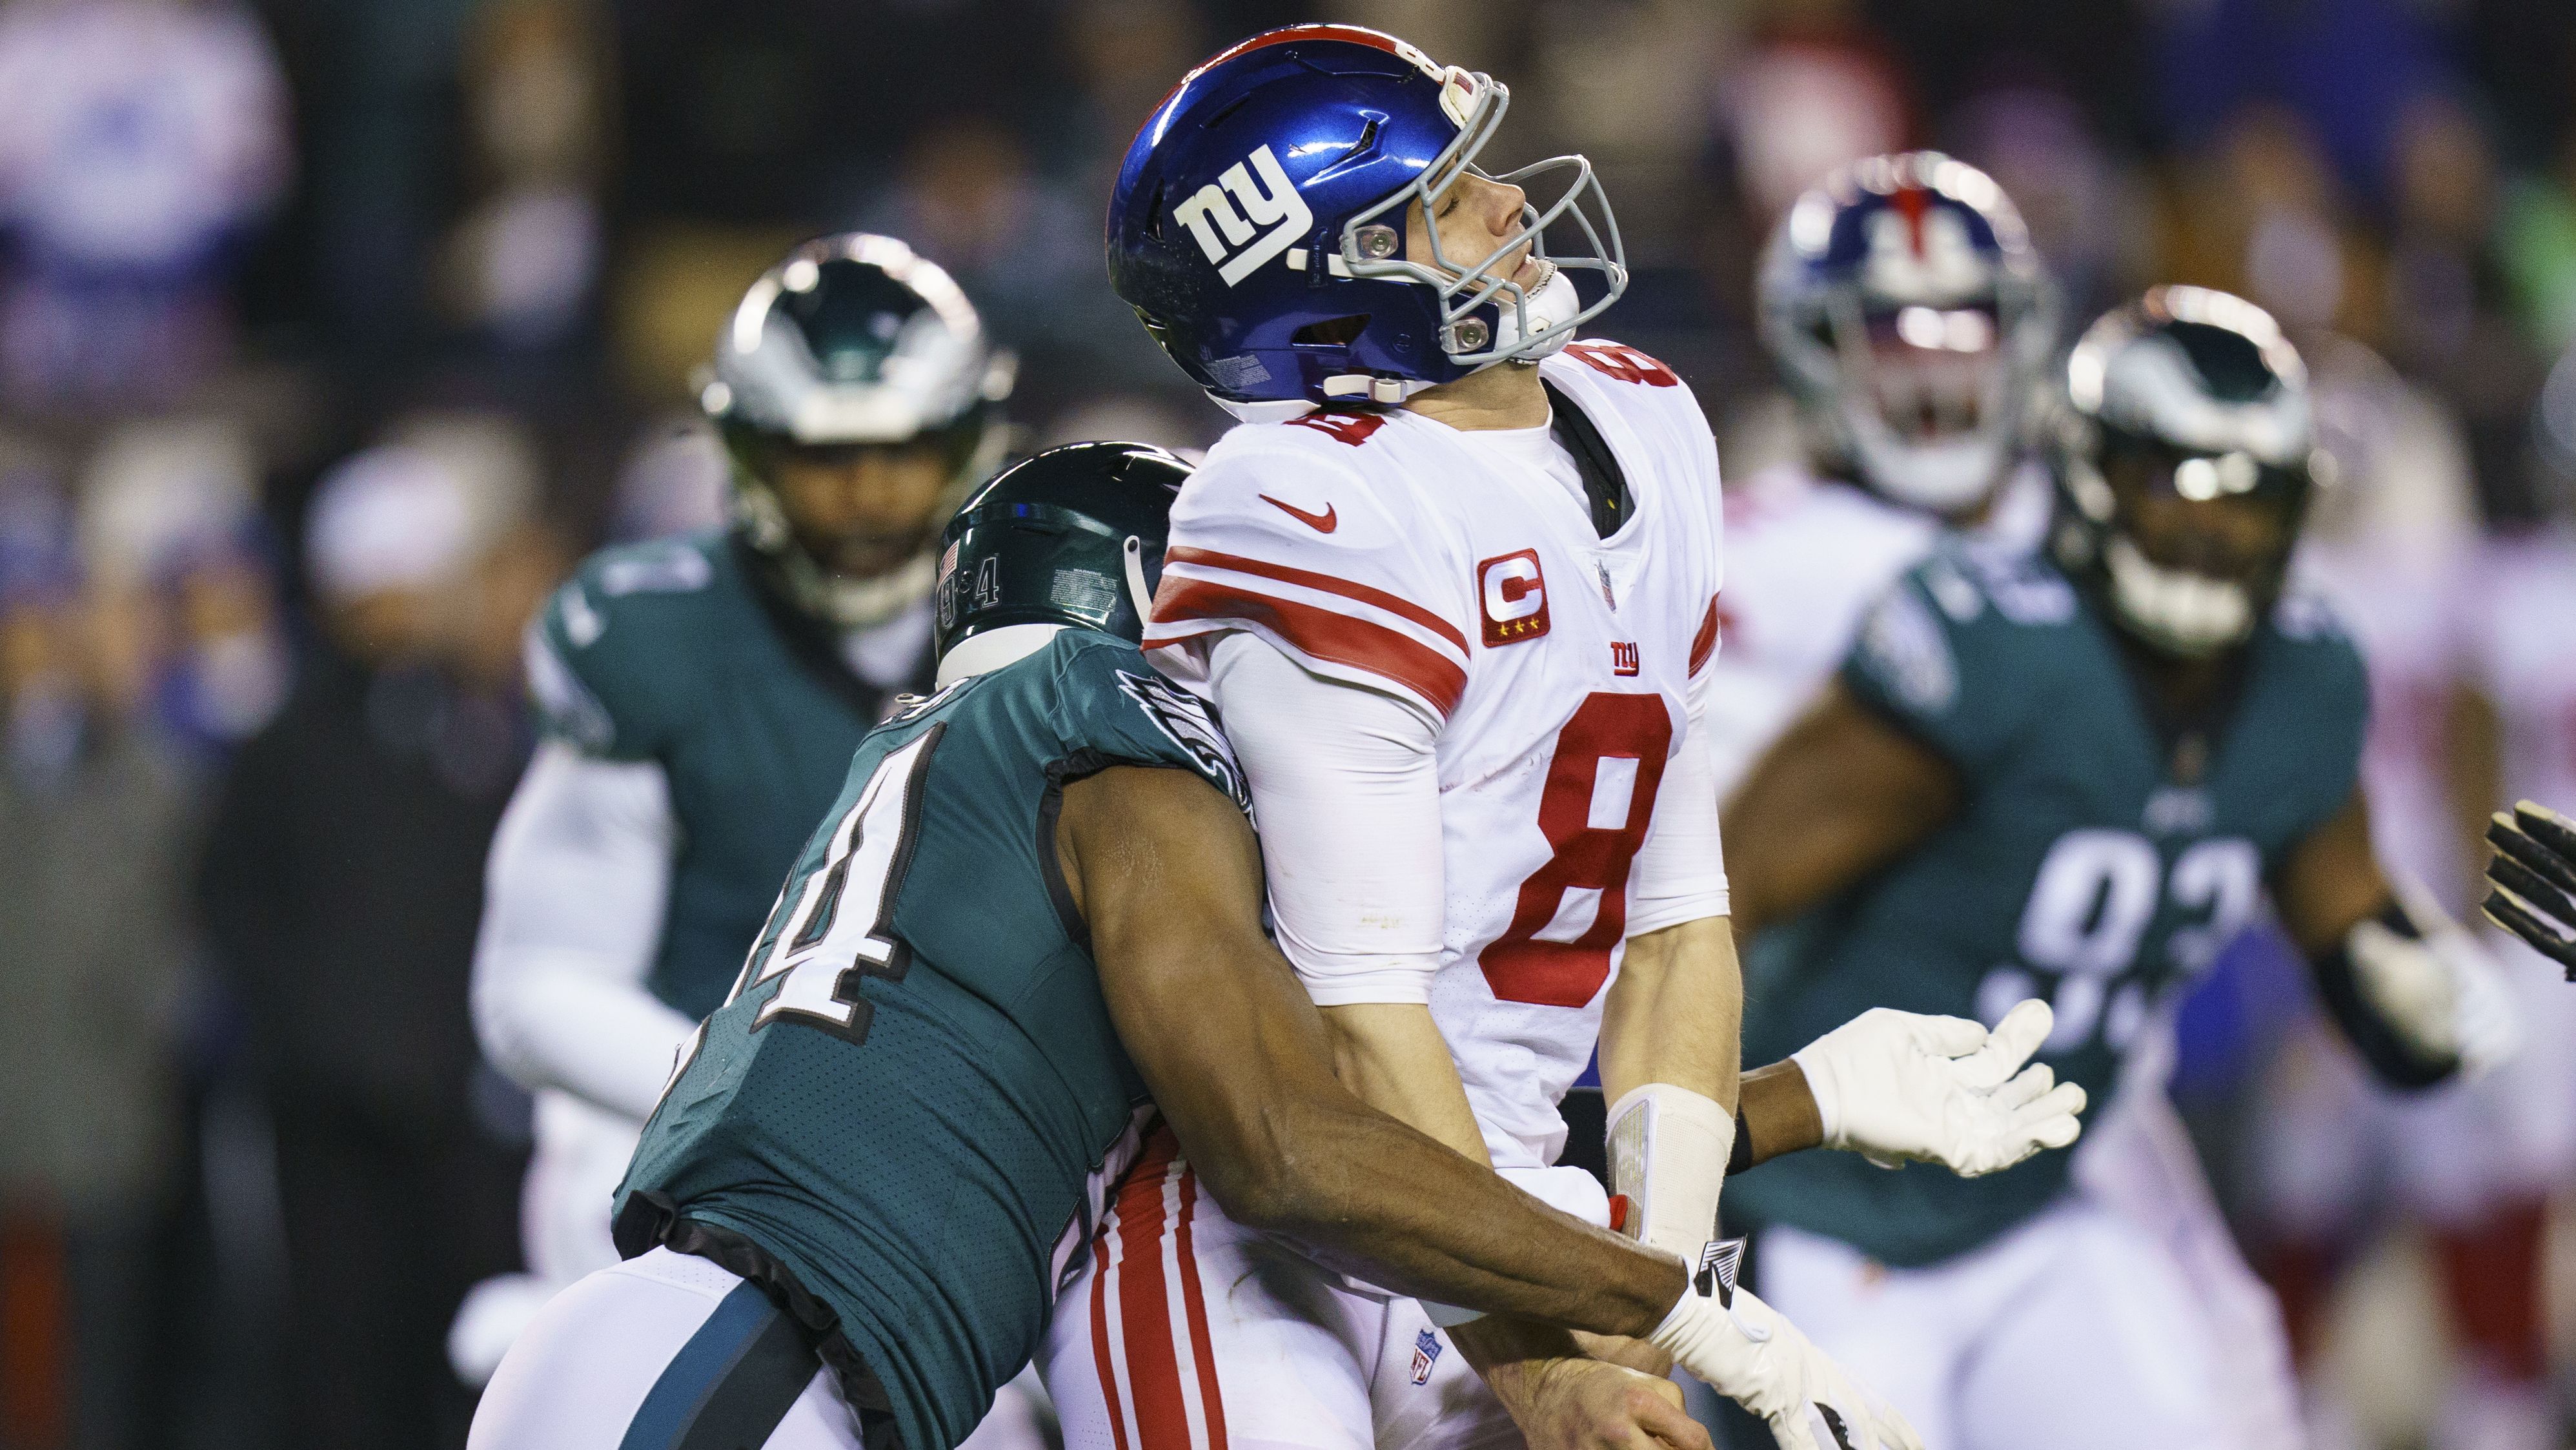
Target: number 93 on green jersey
x,y
2099,859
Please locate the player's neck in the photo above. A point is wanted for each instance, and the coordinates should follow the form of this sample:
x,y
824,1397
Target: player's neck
x,y
1507,395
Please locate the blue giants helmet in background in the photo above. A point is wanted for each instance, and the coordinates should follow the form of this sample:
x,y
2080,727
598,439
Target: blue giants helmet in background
x,y
1258,227
1904,305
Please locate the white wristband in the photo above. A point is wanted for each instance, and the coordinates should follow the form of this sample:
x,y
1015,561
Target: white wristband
x,y
1668,1151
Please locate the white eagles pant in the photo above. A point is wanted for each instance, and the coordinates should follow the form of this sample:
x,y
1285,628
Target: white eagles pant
x,y
2077,1327
1184,1331
664,1351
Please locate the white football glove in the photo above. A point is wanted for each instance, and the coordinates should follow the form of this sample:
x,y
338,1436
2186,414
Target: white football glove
x,y
2442,992
1742,1348
1893,1086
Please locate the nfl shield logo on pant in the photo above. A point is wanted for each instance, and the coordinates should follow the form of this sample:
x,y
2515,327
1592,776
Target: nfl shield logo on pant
x,y
1426,1352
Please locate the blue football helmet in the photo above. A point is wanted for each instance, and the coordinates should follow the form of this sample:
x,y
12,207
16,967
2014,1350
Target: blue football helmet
x,y
1258,227
1903,302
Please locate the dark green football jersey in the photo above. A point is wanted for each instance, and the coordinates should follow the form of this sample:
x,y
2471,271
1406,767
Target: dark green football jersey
x,y
913,1100
671,652
2096,861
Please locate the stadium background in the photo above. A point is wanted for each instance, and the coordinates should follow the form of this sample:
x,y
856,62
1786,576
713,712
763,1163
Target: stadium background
x,y
248,248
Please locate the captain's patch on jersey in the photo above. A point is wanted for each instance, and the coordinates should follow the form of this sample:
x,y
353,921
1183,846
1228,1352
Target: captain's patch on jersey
x,y
1513,594
1184,718
1903,646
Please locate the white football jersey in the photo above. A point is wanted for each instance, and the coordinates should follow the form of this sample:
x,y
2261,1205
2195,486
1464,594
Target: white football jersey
x,y
1380,550
2523,653
2402,601
1805,558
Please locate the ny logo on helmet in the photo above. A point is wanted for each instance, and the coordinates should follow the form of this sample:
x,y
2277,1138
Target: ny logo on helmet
x,y
1208,213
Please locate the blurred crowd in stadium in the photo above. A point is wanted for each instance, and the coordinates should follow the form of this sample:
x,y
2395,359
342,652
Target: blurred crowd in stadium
x,y
332,331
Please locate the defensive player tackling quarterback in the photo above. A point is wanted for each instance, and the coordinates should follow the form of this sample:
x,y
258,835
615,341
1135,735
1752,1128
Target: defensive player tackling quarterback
x,y
1036,901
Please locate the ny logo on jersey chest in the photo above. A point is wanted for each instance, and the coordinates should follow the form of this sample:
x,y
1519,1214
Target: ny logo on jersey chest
x,y
1624,658
1512,594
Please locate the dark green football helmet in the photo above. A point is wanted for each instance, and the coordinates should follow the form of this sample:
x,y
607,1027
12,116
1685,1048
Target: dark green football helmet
x,y
854,342
1069,539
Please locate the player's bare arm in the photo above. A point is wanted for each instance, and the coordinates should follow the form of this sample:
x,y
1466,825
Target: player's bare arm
x,y
1168,877
2414,994
1842,793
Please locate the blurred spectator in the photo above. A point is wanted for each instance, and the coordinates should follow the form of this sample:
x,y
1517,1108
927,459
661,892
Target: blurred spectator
x,y
342,881
96,828
138,138
1027,251
2348,69
1819,91
2084,216
519,266
179,567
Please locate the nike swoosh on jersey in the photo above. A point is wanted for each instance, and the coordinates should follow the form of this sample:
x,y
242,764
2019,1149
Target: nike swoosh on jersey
x,y
1322,523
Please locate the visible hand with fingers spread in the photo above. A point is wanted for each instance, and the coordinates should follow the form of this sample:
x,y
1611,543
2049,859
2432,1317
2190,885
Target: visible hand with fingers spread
x,y
1895,1086
2532,880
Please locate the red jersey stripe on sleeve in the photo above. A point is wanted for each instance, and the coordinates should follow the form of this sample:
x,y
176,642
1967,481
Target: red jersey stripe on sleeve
x,y
1328,583
1320,633
1704,643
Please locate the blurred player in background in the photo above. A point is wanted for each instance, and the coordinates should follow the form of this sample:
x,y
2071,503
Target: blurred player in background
x,y
2458,671
1910,318
2079,774
1452,584
701,697
1914,324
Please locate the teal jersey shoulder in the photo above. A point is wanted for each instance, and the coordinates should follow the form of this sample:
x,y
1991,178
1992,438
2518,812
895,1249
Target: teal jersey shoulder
x,y
915,1099
2093,861
668,652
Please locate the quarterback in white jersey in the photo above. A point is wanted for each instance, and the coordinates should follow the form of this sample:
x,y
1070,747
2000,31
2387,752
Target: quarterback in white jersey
x,y
1457,620
1555,673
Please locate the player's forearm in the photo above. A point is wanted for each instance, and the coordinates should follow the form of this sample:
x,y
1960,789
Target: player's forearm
x,y
1392,1057
1676,1014
1364,1193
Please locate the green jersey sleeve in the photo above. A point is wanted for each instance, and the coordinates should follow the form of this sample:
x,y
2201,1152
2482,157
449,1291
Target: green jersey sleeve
x,y
598,654
1954,653
2323,682
1110,701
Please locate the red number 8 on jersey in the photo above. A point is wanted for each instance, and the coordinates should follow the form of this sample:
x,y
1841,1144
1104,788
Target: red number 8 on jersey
x,y
1622,734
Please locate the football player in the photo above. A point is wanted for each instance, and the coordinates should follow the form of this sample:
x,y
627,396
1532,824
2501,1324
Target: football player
x,y
2531,882
1452,585
1037,899
2078,772
1913,324
700,697
1910,319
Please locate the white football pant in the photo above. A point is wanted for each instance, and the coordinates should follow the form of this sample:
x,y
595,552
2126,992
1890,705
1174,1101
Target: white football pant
x,y
1185,1331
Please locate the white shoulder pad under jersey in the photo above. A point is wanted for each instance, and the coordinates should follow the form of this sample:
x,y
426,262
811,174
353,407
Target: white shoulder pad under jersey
x,y
1804,558
1378,549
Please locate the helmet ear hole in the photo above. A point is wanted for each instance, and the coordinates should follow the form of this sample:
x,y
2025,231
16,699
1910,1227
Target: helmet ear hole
x,y
1331,332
